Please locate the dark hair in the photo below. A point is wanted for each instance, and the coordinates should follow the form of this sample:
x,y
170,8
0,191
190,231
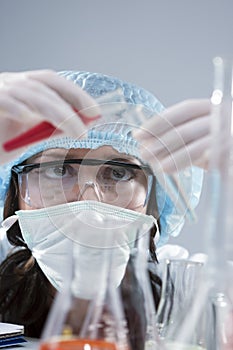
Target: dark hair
x,y
21,276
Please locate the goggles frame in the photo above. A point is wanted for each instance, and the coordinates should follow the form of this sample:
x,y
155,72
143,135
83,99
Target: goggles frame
x,y
26,168
23,169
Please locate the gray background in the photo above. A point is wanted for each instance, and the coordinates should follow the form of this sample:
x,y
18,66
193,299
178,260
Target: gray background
x,y
165,46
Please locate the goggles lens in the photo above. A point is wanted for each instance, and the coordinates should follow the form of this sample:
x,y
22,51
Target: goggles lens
x,y
118,183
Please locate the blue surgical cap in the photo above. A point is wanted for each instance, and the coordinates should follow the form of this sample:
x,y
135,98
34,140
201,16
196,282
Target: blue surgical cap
x,y
119,137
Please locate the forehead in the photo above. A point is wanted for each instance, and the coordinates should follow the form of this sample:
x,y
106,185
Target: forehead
x,y
104,152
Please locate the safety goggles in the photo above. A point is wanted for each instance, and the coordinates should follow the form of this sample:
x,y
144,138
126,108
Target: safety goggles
x,y
119,183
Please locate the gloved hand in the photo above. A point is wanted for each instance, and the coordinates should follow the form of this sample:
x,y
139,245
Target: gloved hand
x,y
172,251
27,98
177,138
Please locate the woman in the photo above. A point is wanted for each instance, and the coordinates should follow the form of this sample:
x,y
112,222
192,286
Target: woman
x,y
105,158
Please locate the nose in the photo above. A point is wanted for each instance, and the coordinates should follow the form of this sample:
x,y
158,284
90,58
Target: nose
x,y
90,191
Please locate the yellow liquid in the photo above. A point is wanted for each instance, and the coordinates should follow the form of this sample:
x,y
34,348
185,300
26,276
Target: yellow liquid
x,y
78,344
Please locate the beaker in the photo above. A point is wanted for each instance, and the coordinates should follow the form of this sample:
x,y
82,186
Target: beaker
x,y
106,301
180,279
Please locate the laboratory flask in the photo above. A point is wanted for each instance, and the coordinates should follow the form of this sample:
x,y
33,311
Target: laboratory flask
x,y
105,301
180,279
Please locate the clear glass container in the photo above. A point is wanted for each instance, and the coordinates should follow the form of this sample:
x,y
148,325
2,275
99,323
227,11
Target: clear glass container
x,y
212,309
180,280
106,301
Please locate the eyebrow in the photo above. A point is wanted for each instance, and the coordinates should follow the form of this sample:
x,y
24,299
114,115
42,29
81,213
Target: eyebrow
x,y
125,160
65,155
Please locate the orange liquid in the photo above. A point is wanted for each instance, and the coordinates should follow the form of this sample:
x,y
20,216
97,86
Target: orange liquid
x,y
78,344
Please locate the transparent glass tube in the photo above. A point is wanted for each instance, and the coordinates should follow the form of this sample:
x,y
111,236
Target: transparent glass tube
x,y
219,172
212,297
179,287
86,315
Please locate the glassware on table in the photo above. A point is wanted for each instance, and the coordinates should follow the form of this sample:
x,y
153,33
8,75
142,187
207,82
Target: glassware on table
x,y
221,173
214,295
106,302
180,280
218,232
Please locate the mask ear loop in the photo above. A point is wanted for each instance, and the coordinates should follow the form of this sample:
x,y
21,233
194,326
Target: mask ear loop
x,y
8,222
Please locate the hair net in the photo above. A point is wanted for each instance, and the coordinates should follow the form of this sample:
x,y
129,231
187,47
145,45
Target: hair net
x,y
118,136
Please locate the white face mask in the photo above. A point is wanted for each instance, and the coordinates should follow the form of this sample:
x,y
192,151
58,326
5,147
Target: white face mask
x,y
48,233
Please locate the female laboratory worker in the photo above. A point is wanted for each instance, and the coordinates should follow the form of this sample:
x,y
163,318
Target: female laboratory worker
x,y
45,174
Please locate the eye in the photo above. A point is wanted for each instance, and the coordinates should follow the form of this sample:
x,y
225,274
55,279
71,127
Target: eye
x,y
59,171
114,174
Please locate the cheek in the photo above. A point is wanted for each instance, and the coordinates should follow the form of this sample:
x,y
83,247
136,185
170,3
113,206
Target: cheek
x,y
23,205
144,209
136,198
139,209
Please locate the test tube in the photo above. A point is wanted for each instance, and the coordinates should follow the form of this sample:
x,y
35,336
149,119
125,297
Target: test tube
x,y
115,109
